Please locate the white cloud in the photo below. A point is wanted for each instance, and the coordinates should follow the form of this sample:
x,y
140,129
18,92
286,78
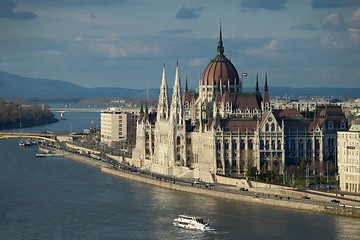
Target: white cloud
x,y
354,20
333,20
195,62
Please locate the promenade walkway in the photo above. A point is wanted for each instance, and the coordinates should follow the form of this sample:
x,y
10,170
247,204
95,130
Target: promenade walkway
x,y
44,136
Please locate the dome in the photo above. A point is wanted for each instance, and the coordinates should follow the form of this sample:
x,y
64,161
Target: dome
x,y
220,69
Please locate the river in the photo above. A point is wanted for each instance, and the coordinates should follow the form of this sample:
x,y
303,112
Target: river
x,y
55,198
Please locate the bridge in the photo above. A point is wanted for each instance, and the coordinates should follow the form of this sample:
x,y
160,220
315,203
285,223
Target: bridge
x,y
62,110
45,136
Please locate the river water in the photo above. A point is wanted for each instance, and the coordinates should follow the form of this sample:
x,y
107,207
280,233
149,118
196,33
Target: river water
x,y
55,198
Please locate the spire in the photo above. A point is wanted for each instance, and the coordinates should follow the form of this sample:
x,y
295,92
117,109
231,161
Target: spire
x,y
163,103
266,84
176,110
257,84
186,97
220,48
266,95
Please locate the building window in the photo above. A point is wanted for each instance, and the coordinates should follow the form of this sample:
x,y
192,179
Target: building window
x,y
226,144
234,145
301,144
242,144
278,145
267,145
250,144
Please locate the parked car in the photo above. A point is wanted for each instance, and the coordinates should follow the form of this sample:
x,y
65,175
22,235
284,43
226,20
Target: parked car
x,y
305,197
243,189
334,201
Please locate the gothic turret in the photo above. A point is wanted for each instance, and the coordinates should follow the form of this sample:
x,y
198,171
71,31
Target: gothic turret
x,y
163,104
176,110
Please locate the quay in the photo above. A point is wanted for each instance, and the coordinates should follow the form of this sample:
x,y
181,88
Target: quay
x,y
282,197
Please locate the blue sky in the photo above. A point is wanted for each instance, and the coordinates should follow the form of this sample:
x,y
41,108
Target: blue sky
x,y
124,43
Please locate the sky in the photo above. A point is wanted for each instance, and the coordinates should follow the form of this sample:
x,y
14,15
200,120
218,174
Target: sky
x,y
125,43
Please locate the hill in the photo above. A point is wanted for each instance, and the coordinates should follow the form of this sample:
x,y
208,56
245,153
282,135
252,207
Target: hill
x,y
14,86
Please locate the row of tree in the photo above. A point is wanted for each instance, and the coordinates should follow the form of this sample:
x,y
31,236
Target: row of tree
x,y
17,114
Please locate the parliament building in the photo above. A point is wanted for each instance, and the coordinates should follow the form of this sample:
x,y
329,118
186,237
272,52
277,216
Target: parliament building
x,y
223,131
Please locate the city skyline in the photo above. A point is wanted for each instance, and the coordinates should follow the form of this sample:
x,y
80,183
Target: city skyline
x,y
124,43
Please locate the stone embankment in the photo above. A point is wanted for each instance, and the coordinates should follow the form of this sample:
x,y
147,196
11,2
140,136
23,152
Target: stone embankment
x,y
225,192
75,157
213,192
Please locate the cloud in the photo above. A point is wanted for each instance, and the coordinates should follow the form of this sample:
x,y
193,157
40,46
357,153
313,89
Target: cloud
x,y
333,21
188,13
303,26
354,19
72,3
7,11
196,62
177,31
263,4
334,3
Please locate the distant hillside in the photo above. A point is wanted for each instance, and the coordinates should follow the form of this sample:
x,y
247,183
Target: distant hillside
x,y
14,86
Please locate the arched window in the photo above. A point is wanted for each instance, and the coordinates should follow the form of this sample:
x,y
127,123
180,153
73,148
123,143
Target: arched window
x,y
273,144
272,127
178,140
278,145
267,145
317,144
266,127
301,144
234,145
218,145
250,144
226,144
242,144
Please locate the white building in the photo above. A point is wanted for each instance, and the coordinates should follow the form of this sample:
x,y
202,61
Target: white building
x,y
349,159
118,125
222,131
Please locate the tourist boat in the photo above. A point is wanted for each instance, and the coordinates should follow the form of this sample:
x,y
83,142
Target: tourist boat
x,y
192,223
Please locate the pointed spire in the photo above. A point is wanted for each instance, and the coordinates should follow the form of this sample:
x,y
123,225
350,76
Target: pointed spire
x,y
176,109
163,103
220,48
186,96
266,83
257,90
266,95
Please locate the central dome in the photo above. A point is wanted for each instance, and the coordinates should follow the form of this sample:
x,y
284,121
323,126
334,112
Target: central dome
x,y
220,70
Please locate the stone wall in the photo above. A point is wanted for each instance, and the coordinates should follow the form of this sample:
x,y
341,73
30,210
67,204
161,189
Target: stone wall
x,y
227,195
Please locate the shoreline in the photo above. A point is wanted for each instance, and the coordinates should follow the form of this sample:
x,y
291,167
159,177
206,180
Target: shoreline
x,y
217,191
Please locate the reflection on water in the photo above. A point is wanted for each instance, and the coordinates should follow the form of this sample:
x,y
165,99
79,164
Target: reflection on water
x,y
347,228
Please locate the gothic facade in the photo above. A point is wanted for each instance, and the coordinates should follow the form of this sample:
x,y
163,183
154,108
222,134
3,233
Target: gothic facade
x,y
222,130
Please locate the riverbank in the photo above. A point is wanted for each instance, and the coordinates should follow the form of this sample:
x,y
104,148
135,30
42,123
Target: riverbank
x,y
271,197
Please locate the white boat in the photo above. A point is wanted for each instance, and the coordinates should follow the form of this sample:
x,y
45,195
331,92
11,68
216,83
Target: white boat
x,y
192,223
